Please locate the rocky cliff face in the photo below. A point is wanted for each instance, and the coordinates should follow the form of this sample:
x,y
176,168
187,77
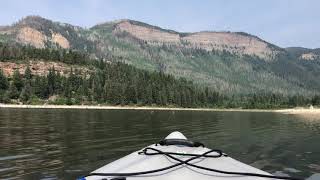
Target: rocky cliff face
x,y
238,43
39,67
310,56
39,32
60,40
232,42
31,36
28,35
147,33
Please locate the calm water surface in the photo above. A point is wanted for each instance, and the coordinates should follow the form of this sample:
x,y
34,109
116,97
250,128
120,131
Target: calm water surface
x,y
66,144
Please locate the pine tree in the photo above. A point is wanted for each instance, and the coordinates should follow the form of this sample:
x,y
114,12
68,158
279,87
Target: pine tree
x,y
41,87
67,88
316,100
97,90
85,86
177,98
28,74
183,99
58,88
13,91
26,93
51,81
17,80
164,97
4,84
149,96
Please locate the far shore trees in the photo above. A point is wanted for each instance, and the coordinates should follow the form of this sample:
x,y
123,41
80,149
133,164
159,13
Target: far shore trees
x,y
117,83
121,84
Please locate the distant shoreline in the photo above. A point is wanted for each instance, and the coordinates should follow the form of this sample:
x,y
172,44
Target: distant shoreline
x,y
105,107
102,107
300,111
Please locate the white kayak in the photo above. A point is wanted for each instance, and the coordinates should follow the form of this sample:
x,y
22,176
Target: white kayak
x,y
171,160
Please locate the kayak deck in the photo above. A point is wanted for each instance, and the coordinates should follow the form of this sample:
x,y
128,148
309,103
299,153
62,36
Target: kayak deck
x,y
136,162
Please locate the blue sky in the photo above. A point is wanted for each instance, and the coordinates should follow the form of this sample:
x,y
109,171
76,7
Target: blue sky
x,y
282,22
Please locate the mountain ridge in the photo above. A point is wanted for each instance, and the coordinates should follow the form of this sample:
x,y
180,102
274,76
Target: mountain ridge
x,y
29,18
234,42
40,23
232,62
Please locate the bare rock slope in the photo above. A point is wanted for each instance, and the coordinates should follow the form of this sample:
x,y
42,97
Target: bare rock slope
x,y
239,43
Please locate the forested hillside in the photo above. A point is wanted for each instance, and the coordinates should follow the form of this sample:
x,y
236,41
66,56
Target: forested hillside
x,y
232,63
116,83
223,70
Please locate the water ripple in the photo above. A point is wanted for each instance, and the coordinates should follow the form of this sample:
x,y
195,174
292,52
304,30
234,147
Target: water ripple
x,y
65,144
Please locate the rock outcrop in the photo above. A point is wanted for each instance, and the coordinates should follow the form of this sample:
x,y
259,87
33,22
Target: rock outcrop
x,y
310,56
61,40
147,34
27,35
39,67
239,43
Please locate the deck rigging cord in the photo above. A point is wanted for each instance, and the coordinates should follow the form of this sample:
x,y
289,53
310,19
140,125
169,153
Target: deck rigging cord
x,y
152,151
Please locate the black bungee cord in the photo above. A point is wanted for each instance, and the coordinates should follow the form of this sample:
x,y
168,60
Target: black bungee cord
x,y
186,162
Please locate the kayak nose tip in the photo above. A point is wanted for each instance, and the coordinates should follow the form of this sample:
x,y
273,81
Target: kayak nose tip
x,y
176,135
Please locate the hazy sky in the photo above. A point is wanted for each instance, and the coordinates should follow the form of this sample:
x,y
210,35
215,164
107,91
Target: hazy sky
x,y
282,22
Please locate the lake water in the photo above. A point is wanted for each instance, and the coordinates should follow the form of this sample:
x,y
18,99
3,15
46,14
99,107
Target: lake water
x,y
66,144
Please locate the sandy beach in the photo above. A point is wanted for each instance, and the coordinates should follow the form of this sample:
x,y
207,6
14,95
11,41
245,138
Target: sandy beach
x,y
313,111
284,111
124,107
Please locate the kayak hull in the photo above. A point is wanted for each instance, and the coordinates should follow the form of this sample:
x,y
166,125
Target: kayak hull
x,y
137,162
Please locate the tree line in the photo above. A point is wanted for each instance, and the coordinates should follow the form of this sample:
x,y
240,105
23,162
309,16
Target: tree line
x,y
117,83
121,84
9,52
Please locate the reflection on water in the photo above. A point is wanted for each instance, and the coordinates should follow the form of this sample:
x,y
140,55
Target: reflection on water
x,y
65,144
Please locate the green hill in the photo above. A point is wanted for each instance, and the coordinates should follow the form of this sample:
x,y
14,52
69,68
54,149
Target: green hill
x,y
228,62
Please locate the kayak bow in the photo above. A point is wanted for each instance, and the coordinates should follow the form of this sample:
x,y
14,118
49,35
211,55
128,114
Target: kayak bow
x,y
176,157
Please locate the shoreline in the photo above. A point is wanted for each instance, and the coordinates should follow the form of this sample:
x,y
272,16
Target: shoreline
x,y
106,107
297,111
100,107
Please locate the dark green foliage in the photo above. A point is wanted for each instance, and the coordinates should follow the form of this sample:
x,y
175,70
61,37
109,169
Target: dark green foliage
x,y
27,74
26,93
17,52
40,87
17,80
121,84
316,100
51,78
13,92
4,84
